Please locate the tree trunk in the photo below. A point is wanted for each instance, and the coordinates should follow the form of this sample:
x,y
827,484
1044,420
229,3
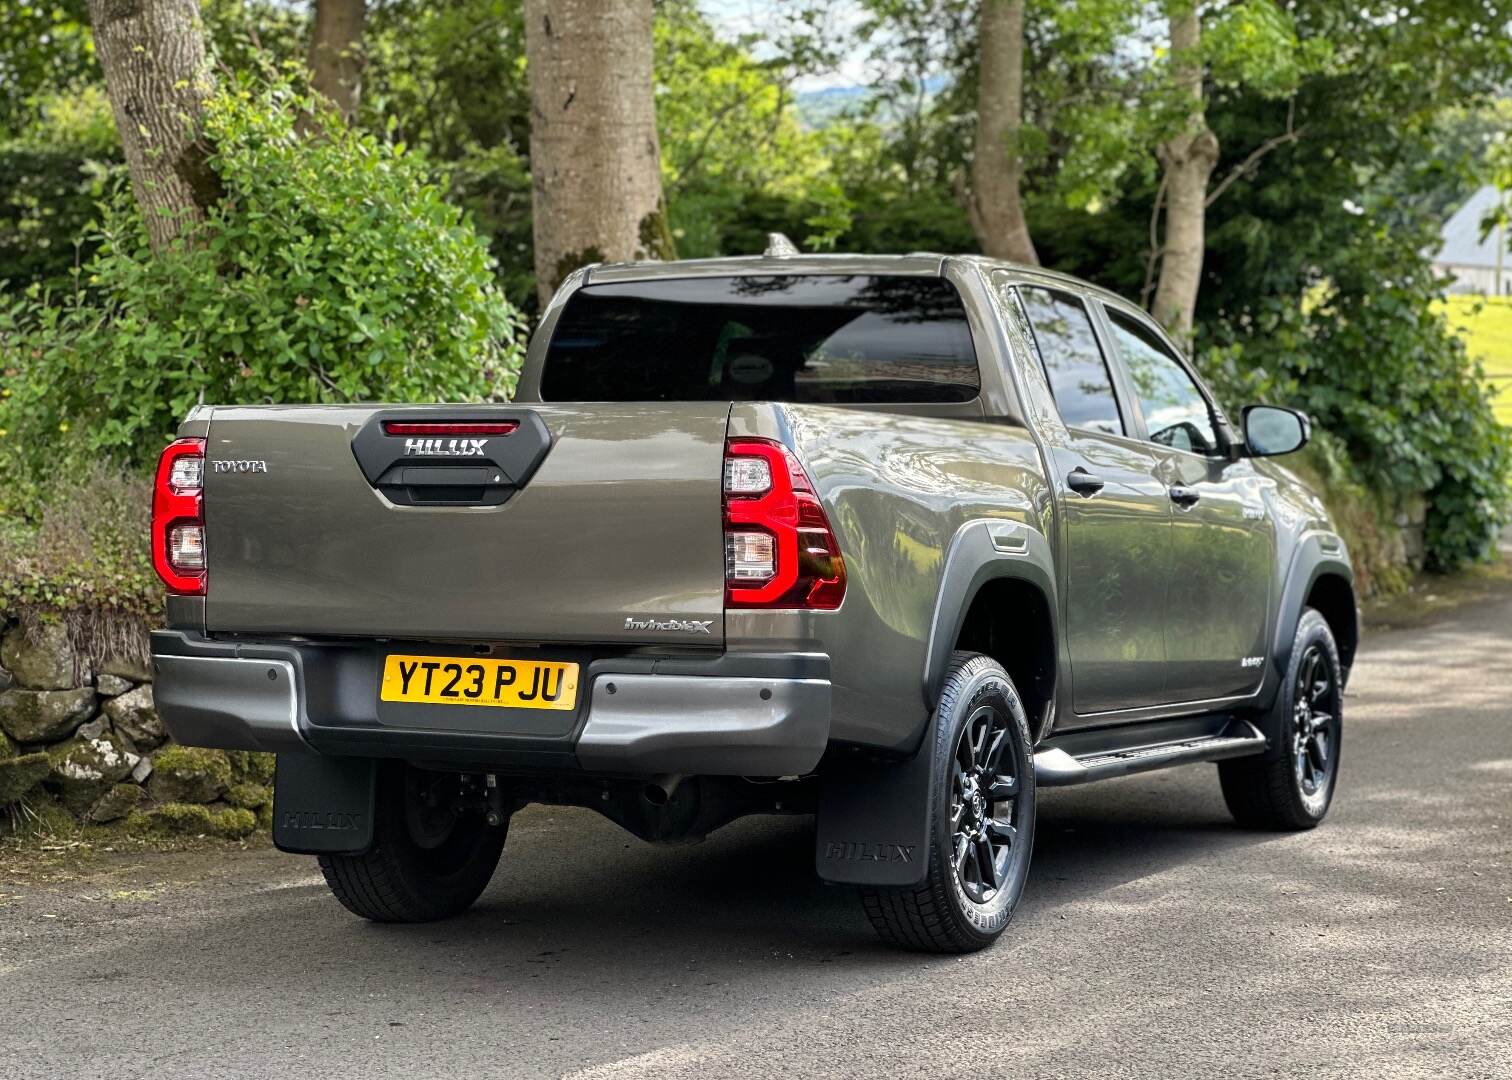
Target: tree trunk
x,y
153,55
994,204
1188,158
594,160
336,57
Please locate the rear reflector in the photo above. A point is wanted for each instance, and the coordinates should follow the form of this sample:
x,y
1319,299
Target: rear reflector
x,y
444,427
178,518
780,551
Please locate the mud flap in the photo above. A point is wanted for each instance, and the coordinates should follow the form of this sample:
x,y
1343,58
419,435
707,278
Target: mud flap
x,y
874,821
324,805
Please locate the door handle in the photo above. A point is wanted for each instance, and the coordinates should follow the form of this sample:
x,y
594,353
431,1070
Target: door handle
x,y
1184,497
1084,483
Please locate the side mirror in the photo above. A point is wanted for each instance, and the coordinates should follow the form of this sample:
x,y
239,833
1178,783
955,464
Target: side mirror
x,y
1270,430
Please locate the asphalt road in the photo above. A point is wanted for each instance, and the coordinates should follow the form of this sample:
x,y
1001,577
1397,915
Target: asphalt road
x,y
1155,939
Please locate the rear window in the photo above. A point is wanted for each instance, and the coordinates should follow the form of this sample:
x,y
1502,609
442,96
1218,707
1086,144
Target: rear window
x,y
821,338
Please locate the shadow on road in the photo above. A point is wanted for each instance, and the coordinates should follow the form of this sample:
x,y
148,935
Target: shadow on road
x,y
575,897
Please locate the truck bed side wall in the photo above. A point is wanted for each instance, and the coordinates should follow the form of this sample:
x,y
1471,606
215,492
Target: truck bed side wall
x,y
898,491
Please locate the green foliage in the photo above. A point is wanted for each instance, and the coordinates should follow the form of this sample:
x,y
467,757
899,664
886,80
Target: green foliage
x,y
44,47
51,176
1255,43
190,819
1374,362
344,266
72,541
731,138
332,270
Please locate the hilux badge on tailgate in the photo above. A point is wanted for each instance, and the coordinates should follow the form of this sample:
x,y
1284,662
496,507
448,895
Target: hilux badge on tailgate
x,y
445,447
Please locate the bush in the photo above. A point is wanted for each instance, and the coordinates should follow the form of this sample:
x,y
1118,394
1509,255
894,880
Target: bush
x,y
82,556
1369,355
52,176
332,270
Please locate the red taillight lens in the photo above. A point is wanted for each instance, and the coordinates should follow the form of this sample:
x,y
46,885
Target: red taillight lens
x,y
780,551
441,427
178,517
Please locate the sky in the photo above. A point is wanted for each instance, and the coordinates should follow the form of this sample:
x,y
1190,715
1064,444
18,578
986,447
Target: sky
x,y
761,17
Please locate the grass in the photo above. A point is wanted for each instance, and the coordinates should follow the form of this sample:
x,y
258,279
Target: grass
x,y
1485,323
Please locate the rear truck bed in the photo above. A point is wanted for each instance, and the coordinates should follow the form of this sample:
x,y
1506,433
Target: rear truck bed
x,y
372,572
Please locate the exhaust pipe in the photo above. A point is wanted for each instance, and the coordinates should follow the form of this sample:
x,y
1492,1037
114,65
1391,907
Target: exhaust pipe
x,y
660,790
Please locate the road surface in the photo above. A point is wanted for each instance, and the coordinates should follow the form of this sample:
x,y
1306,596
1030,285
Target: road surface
x,y
1155,939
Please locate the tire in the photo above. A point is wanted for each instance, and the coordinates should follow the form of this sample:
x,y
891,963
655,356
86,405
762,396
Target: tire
x,y
959,907
425,863
1291,785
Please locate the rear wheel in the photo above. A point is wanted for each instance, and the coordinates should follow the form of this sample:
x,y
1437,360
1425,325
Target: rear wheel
x,y
1291,785
982,827
429,860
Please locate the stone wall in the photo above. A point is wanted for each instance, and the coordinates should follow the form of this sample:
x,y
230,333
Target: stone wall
x,y
87,746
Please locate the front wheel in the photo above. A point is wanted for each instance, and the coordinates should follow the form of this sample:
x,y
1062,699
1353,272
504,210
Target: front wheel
x,y
428,861
982,818
1291,785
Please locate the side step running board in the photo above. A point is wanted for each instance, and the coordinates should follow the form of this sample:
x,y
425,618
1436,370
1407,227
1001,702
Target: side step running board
x,y
1080,756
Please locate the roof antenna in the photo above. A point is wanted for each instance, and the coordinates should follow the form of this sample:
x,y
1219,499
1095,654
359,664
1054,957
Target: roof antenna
x,y
779,247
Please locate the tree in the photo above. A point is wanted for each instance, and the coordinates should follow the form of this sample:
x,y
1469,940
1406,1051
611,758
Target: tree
x,y
1187,159
994,203
153,55
336,56
594,157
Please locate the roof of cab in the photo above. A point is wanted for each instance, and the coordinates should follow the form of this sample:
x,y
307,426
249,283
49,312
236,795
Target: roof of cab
x,y
921,263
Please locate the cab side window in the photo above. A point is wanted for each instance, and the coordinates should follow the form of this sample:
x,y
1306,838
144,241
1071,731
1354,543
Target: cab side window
x,y
1073,360
1175,411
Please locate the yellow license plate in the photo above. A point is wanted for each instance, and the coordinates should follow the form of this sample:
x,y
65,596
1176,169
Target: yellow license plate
x,y
457,680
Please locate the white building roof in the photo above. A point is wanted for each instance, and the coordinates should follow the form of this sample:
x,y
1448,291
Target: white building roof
x,y
1462,243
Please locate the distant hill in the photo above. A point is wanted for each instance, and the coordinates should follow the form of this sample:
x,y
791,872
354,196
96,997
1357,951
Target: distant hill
x,y
816,108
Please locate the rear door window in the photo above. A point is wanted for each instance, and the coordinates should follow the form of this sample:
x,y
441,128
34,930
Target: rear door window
x,y
820,338
1073,360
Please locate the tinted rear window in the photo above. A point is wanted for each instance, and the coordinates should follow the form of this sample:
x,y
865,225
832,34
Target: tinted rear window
x,y
822,338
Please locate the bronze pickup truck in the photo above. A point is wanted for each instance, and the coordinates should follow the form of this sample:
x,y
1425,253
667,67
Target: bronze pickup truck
x,y
888,540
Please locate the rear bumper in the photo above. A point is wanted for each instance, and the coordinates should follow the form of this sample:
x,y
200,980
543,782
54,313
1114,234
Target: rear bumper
x,y
734,714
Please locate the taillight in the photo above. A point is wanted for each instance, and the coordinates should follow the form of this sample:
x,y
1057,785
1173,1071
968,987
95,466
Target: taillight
x,y
178,517
780,551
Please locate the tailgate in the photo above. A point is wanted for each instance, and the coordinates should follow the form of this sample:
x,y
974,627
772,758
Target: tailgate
x,y
586,523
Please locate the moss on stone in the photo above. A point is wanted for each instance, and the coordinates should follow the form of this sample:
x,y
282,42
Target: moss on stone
x,y
192,819
115,804
171,819
248,766
86,766
40,815
233,823
249,796
190,774
20,775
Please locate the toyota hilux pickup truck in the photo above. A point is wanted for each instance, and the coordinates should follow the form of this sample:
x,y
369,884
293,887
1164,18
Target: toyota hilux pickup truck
x,y
893,541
